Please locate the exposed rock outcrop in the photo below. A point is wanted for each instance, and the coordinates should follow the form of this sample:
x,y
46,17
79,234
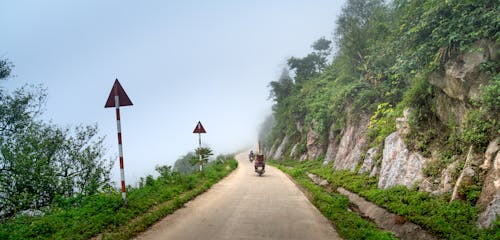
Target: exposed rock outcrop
x,y
399,165
443,184
293,152
369,161
490,194
271,151
351,145
466,176
281,148
461,80
333,145
313,145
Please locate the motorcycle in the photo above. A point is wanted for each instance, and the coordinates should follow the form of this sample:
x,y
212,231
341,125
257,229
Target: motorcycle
x,y
260,165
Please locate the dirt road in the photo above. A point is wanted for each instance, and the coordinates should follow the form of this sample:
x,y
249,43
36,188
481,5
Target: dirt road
x,y
246,206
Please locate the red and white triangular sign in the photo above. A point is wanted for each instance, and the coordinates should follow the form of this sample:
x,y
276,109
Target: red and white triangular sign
x,y
199,128
123,98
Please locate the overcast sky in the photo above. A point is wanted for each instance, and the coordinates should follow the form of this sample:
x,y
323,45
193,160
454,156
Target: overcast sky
x,y
180,62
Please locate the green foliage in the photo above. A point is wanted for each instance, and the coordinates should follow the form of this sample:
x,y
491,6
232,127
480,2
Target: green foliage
x,y
84,217
205,153
385,55
382,123
184,166
483,125
448,220
5,68
433,30
41,161
335,206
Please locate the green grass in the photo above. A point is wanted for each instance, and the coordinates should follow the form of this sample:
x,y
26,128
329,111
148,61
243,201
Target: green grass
x,y
335,207
83,218
449,220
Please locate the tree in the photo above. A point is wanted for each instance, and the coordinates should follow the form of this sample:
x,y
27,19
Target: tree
x,y
313,64
184,166
282,88
205,152
356,27
40,161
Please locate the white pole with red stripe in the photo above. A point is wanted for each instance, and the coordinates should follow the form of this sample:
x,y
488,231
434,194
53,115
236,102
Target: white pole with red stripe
x,y
199,152
120,148
117,97
199,129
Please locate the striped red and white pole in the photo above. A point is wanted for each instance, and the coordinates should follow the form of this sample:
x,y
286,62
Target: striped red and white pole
x,y
199,152
120,148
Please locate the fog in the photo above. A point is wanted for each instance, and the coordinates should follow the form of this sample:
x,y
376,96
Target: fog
x,y
180,62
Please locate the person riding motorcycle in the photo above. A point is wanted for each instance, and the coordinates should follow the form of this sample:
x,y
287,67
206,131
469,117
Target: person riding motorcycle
x,y
260,161
251,156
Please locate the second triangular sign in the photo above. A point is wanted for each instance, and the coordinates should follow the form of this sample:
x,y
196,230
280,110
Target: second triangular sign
x,y
199,128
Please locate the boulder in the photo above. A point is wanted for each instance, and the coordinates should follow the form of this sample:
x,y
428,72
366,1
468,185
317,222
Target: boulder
x,y
399,165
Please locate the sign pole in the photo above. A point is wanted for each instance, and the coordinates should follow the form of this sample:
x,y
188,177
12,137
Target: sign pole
x,y
199,129
117,93
199,152
120,147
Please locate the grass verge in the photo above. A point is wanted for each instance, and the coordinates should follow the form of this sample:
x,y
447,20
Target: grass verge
x,y
335,207
448,220
85,217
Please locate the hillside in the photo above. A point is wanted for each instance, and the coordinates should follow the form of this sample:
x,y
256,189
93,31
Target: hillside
x,y
406,94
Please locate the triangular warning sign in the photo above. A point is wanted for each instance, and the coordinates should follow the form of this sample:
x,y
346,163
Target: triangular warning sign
x,y
199,128
122,96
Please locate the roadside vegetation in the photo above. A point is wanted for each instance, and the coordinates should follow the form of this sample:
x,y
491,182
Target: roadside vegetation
x,y
444,219
377,67
55,181
385,53
334,206
84,217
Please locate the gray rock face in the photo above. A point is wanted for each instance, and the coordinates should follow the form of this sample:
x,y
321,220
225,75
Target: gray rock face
x,y
313,145
271,151
281,148
399,166
490,194
293,153
445,185
461,80
463,74
375,171
468,172
488,217
351,145
369,161
333,145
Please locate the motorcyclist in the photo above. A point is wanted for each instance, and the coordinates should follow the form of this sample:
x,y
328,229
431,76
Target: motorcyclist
x,y
251,156
260,161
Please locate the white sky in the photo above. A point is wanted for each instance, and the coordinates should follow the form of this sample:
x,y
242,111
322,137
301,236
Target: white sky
x,y
180,62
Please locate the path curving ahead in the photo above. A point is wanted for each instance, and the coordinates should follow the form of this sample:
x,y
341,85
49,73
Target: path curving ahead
x,y
246,206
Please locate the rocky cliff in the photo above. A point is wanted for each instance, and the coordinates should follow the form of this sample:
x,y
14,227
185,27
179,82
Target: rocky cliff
x,y
394,163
